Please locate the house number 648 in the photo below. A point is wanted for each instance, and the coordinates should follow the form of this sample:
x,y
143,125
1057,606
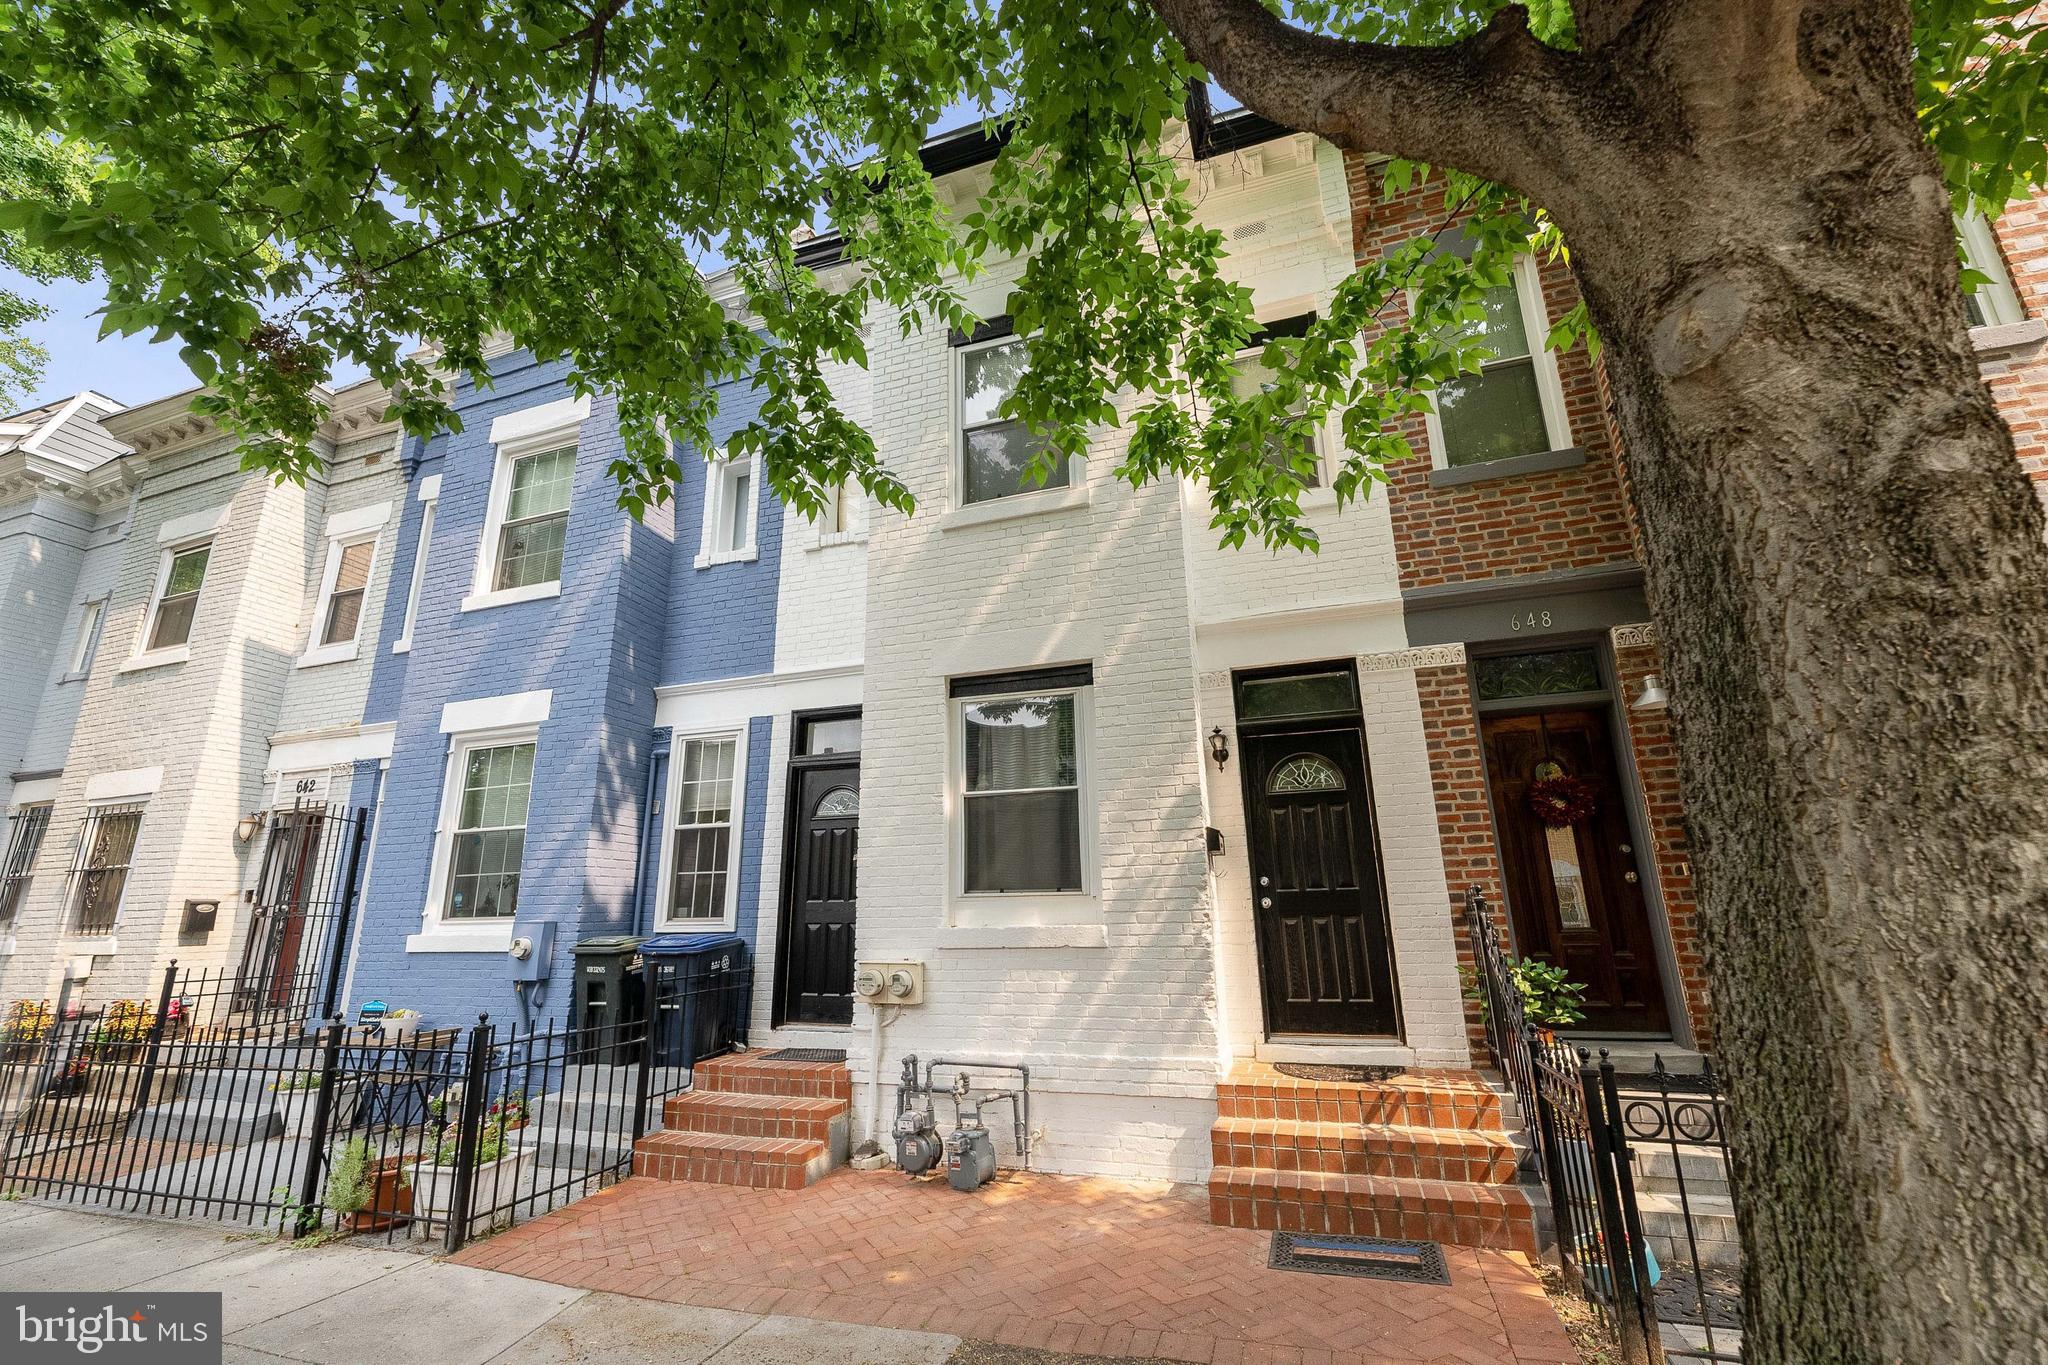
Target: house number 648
x,y
1535,620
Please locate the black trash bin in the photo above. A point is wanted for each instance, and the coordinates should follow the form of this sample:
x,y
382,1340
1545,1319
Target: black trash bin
x,y
703,986
609,999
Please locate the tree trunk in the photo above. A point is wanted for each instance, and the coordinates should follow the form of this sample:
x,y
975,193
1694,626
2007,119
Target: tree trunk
x,y
1847,570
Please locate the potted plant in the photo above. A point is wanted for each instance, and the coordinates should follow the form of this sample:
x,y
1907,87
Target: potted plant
x,y
1550,997
122,1030
364,1190
401,1024
27,1024
501,1162
295,1092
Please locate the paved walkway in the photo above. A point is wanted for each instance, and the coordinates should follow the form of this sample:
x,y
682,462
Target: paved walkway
x,y
337,1305
1092,1267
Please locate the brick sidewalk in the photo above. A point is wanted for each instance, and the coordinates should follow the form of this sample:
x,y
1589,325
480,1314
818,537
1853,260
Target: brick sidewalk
x,y
1093,1267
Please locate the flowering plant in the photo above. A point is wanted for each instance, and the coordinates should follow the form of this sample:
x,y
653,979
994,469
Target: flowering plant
x,y
27,1021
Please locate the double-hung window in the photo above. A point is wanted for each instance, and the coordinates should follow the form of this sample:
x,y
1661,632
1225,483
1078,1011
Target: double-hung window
x,y
1515,404
106,848
536,523
488,843
996,453
702,887
25,830
85,643
1992,301
1018,776
352,539
731,510
344,614
179,580
1298,452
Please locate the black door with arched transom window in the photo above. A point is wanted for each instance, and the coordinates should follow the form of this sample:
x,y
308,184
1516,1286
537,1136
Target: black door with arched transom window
x,y
1318,899
814,971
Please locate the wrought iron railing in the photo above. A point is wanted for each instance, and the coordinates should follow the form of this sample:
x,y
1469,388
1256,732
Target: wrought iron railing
x,y
99,873
25,830
304,893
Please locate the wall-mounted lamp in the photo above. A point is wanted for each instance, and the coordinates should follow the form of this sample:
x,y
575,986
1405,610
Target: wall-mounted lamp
x,y
247,827
1219,746
1653,697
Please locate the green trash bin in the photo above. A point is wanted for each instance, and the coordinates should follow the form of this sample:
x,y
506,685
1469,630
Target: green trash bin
x,y
608,1001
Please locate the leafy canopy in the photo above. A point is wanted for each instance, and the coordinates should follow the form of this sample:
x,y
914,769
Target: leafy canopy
x,y
285,187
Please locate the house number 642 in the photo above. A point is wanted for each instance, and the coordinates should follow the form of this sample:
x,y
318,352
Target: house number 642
x,y
1535,620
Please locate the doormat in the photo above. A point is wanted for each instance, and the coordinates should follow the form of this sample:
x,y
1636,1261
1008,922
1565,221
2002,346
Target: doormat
x,y
1354,1075
1373,1258
807,1054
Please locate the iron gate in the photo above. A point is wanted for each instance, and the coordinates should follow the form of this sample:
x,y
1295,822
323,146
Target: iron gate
x,y
302,899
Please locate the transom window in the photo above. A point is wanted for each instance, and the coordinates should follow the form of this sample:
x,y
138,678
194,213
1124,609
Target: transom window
x,y
171,623
106,847
1334,693
700,886
26,828
1020,785
490,832
344,613
536,521
1546,673
996,453
829,735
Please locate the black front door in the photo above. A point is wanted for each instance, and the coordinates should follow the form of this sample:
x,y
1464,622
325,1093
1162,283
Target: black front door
x,y
1318,904
814,977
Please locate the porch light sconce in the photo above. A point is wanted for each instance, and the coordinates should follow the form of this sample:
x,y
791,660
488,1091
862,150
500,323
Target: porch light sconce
x,y
247,827
1654,697
1219,747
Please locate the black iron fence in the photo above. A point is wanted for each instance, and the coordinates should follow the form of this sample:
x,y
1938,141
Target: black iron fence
x,y
1635,1170
190,1105
304,892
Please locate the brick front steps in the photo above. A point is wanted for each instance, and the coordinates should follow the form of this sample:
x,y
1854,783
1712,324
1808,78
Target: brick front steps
x,y
748,1121
1423,1156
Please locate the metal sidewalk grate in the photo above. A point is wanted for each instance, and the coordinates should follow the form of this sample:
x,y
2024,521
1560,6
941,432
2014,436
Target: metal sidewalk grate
x,y
807,1054
1372,1258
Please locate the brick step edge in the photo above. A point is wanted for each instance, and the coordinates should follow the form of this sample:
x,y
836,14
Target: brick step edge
x,y
1492,1217
749,1073
746,1115
1394,1150
716,1159
1418,1104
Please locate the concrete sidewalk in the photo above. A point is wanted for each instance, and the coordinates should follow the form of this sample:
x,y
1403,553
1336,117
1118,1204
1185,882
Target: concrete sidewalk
x,y
341,1305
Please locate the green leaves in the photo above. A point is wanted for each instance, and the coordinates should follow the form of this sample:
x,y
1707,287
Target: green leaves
x,y
288,188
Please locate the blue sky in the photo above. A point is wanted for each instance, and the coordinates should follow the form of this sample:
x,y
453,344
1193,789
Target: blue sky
x,y
127,369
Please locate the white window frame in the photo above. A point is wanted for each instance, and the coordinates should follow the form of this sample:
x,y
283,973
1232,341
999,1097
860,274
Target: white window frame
x,y
1074,494
144,656
1319,434
847,505
736,846
430,498
1021,909
85,638
1996,298
439,934
1549,386
344,532
533,431
720,474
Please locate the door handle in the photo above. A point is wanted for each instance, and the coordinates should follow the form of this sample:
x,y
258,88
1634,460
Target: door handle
x,y
1265,902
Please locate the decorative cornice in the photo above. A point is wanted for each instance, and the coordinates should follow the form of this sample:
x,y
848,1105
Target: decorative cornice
x,y
1633,637
1429,656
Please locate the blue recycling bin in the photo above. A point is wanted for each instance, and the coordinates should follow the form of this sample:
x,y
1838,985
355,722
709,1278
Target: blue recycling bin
x,y
703,986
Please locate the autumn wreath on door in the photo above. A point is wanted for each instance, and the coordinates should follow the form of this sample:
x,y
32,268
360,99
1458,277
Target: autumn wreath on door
x,y
1558,799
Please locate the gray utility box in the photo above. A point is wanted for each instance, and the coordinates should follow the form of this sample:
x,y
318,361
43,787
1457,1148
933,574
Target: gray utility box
x,y
609,1001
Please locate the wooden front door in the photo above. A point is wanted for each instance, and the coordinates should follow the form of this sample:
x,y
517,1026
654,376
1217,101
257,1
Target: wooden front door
x,y
814,976
1317,901
1575,893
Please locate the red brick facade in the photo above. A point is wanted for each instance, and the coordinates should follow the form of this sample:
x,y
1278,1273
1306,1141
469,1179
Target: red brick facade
x,y
1580,518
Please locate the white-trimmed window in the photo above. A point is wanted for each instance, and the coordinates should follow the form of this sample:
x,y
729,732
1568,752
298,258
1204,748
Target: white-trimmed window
x,y
180,576
731,510
85,641
1023,827
847,515
1254,376
474,883
1515,405
995,453
430,502
344,585
704,843
25,831
1994,302
534,527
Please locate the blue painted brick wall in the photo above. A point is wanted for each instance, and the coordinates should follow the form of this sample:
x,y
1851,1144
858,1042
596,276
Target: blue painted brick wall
x,y
721,618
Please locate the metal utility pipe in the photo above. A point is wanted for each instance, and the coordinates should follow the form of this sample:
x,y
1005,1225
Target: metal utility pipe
x,y
1022,1119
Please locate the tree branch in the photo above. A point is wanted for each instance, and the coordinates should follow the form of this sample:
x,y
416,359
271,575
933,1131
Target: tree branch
x,y
1491,104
